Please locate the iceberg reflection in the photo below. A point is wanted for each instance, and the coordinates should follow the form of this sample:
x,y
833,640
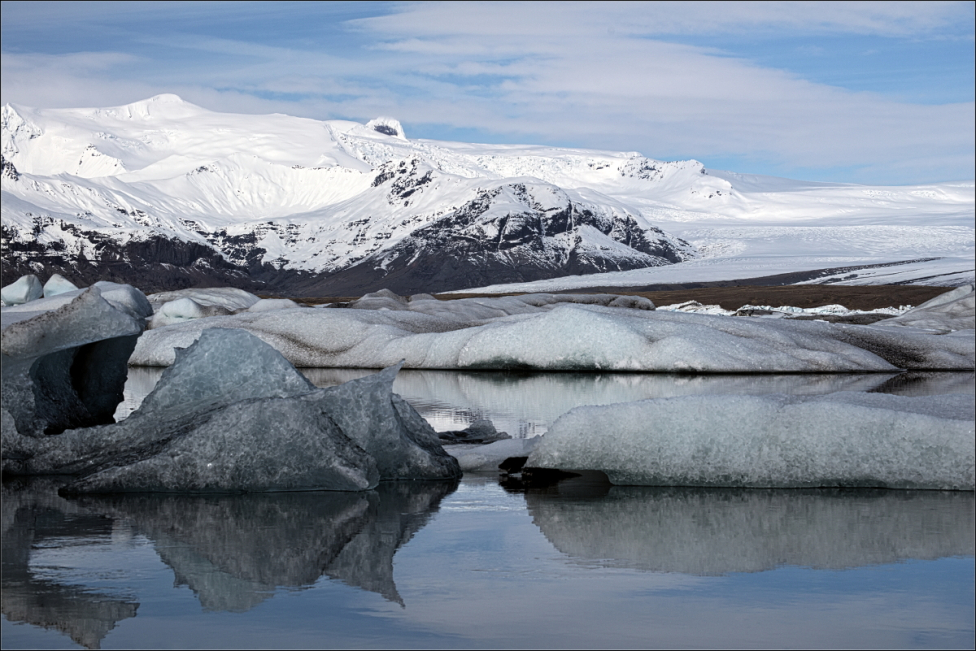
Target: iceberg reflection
x,y
717,531
34,517
234,551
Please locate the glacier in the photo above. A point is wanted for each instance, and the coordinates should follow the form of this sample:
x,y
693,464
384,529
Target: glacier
x,y
775,441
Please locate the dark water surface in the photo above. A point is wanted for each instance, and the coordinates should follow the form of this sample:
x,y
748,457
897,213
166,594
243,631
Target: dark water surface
x,y
477,564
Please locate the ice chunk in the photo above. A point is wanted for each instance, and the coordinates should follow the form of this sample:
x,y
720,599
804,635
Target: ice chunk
x,y
486,458
126,298
227,297
955,310
58,284
842,439
713,532
267,304
123,297
23,290
402,442
480,431
64,367
184,309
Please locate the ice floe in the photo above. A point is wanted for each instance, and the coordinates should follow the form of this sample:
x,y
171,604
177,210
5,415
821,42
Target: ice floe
x,y
566,333
842,439
183,309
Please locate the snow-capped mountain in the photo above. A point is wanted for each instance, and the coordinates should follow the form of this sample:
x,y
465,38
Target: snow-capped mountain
x,y
166,194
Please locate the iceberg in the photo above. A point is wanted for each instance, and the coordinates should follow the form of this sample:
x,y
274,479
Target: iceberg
x,y
267,304
63,367
950,312
773,441
232,415
123,297
481,431
23,290
183,309
58,284
567,333
230,298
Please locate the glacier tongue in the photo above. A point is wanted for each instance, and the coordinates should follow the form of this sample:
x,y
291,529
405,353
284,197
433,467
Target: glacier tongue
x,y
838,440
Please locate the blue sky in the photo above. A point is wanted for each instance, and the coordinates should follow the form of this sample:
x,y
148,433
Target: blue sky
x,y
856,92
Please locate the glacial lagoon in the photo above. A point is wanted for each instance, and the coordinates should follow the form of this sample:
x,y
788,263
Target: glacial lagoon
x,y
483,563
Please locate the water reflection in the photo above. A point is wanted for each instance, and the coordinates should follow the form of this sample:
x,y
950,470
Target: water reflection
x,y
34,517
525,404
232,551
713,532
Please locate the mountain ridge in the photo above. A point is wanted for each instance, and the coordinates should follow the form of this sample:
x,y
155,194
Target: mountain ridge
x,y
276,201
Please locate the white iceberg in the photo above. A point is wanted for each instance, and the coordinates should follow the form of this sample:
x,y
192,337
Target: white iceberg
x,y
23,290
123,297
58,284
487,458
228,297
842,439
183,309
268,304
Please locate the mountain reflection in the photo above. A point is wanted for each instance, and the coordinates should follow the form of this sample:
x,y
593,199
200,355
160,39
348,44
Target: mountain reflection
x,y
234,551
34,517
712,532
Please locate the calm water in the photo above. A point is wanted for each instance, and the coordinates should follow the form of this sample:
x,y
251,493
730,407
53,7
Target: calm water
x,y
480,565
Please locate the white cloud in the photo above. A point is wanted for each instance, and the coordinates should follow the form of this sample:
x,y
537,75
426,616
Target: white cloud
x,y
591,75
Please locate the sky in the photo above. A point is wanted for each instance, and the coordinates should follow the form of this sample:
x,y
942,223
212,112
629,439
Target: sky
x,y
860,92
